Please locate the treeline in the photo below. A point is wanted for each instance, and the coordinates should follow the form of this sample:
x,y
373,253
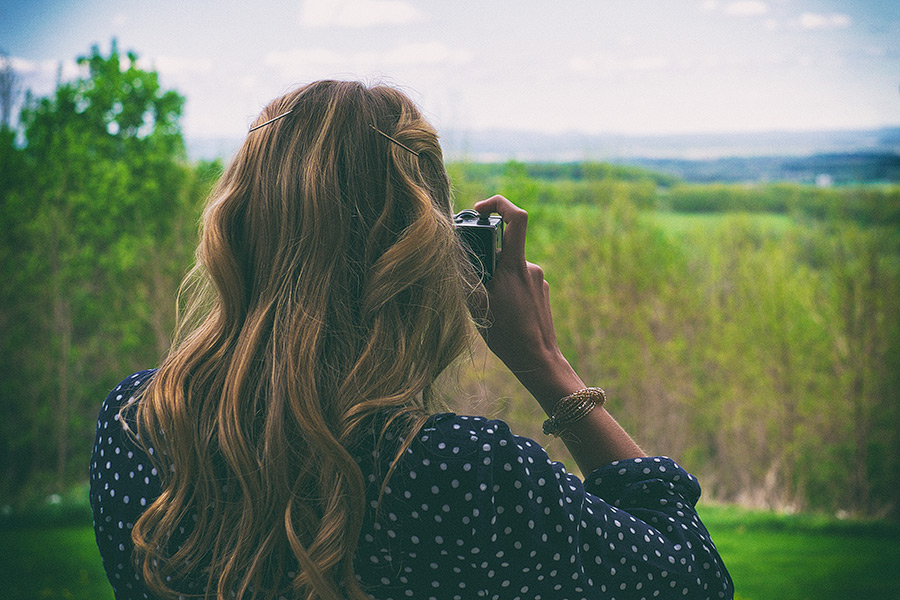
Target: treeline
x,y
98,220
867,205
555,172
849,168
599,183
765,359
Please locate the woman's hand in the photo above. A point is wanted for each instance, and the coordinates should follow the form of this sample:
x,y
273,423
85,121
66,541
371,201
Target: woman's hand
x,y
520,325
520,332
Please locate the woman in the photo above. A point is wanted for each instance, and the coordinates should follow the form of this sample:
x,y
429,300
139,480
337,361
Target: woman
x,y
288,445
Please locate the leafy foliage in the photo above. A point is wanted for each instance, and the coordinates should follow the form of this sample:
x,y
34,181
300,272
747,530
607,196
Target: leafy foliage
x,y
97,219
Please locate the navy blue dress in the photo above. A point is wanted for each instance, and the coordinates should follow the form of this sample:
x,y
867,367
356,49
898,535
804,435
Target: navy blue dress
x,y
472,511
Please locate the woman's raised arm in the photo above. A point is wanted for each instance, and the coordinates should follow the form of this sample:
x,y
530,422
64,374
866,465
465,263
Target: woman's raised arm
x,y
521,333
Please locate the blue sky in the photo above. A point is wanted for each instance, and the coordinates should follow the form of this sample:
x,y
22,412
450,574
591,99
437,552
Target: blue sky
x,y
602,66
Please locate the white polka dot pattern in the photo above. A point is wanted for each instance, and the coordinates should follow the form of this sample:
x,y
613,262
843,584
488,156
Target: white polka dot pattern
x,y
473,511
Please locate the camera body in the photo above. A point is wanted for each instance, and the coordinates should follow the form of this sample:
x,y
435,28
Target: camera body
x,y
482,237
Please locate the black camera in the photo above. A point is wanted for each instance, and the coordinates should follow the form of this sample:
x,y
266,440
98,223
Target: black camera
x,y
483,237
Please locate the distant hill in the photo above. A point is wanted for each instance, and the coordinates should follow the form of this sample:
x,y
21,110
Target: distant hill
x,y
540,147
827,156
820,169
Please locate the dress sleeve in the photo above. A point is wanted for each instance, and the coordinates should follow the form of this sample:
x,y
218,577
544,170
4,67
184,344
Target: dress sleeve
x,y
630,532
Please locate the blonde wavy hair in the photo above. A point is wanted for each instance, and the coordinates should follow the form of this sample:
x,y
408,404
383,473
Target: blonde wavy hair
x,y
330,292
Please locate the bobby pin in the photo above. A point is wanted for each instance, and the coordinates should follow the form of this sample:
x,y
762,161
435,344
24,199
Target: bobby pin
x,y
405,147
281,116
284,114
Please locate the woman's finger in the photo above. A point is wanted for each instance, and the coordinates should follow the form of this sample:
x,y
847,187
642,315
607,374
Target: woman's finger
x,y
516,220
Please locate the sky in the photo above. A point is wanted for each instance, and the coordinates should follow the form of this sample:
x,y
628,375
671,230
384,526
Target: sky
x,y
631,67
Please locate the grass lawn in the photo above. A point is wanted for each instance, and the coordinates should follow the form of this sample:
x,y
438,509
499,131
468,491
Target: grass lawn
x,y
770,557
50,563
803,557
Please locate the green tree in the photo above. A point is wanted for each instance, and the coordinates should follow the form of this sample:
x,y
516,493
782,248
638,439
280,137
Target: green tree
x,y
864,296
95,233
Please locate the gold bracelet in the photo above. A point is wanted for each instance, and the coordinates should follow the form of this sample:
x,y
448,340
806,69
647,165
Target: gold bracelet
x,y
573,408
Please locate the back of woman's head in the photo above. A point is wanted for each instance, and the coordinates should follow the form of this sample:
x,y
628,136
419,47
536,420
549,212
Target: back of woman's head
x,y
329,291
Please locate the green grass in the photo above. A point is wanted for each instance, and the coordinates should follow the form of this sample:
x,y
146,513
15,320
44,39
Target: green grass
x,y
50,563
47,549
803,557
770,557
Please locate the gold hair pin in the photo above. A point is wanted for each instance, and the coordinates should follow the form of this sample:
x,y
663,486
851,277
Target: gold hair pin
x,y
404,146
281,116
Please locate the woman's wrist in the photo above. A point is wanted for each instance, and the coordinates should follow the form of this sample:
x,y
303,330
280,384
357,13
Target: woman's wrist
x,y
553,379
594,440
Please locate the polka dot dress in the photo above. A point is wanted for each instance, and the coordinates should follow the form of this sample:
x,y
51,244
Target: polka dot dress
x,y
472,511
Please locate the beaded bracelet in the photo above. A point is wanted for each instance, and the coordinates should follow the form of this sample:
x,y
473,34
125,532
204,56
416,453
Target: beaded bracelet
x,y
573,408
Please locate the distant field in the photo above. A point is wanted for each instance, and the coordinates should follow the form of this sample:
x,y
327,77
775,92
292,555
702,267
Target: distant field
x,y
679,223
770,557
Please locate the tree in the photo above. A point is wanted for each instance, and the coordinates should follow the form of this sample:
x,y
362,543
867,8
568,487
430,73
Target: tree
x,y
95,238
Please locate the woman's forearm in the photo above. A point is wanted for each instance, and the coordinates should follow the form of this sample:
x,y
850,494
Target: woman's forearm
x,y
596,439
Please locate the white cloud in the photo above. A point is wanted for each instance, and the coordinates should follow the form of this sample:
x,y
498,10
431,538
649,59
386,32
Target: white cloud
x,y
248,82
305,61
821,21
426,53
24,66
67,69
70,69
181,65
746,8
611,65
357,13
581,65
709,5
303,57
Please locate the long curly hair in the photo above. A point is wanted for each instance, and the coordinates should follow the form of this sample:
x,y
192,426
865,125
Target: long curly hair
x,y
330,292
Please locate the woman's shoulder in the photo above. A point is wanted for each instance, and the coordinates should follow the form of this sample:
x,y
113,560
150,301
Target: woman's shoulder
x,y
123,481
132,383
125,391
